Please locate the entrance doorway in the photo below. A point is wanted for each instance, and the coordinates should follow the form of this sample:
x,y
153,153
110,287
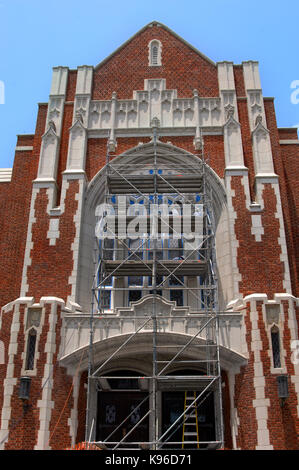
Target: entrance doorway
x,y
114,408
173,407
123,403
120,409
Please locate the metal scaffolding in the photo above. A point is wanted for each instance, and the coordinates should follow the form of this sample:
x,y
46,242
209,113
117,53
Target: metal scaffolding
x,y
167,265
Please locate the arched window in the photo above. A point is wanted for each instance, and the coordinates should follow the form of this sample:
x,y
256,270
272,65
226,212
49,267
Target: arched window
x,y
31,343
32,332
155,53
275,340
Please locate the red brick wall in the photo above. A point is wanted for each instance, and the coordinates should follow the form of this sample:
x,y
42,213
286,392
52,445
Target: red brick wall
x,y
285,158
20,423
52,265
288,133
19,437
14,212
288,433
63,398
97,151
244,394
23,140
71,85
282,422
290,159
182,68
5,337
259,262
239,80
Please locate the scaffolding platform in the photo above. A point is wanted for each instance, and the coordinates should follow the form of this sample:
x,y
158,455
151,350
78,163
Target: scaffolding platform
x,y
145,184
161,224
177,383
164,267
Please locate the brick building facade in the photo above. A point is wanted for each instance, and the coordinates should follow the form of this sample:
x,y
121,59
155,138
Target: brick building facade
x,y
47,204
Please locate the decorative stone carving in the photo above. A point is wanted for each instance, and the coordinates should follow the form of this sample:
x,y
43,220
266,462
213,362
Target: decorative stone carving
x,y
79,116
156,100
55,113
262,152
232,140
262,149
33,317
155,123
127,320
49,153
112,144
198,143
77,145
80,113
255,108
230,111
258,120
272,313
52,126
81,109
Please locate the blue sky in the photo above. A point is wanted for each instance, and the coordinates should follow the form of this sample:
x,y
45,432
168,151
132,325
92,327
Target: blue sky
x,y
36,36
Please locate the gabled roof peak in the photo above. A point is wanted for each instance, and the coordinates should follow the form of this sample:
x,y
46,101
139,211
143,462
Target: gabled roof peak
x,y
154,23
158,24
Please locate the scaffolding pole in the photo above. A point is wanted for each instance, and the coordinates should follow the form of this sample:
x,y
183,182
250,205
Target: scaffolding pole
x,y
151,182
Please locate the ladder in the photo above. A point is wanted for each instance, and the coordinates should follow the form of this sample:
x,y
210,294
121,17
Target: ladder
x,y
190,424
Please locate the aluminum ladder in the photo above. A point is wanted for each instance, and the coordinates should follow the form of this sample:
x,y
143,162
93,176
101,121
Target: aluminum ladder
x,y
190,424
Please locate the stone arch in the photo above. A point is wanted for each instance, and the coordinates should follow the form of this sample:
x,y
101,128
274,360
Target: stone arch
x,y
137,355
166,153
